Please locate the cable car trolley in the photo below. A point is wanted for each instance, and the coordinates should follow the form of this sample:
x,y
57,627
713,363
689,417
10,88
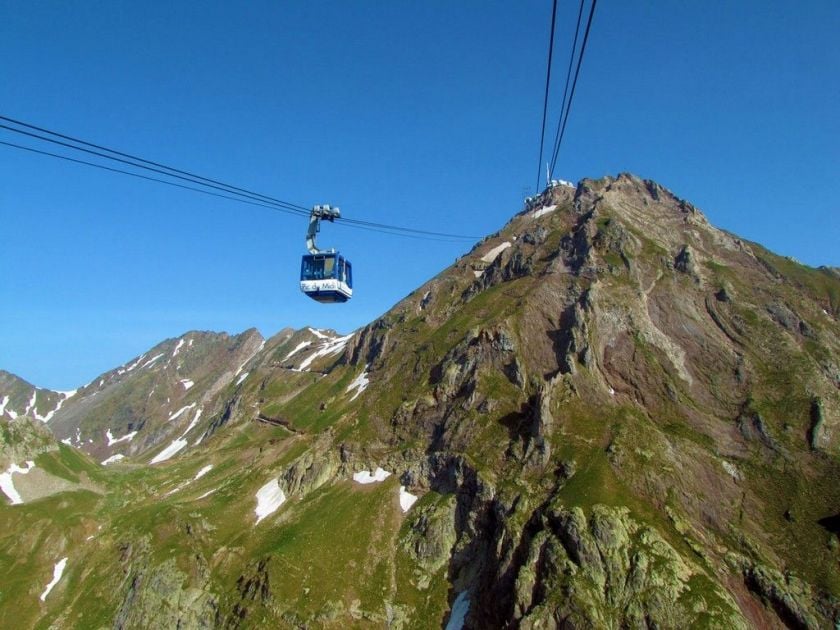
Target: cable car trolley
x,y
325,275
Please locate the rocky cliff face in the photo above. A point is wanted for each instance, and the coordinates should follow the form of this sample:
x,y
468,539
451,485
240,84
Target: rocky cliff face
x,y
613,415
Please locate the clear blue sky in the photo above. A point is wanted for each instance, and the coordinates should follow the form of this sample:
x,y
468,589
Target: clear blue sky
x,y
423,114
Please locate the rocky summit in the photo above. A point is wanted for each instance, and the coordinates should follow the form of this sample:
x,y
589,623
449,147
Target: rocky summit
x,y
609,414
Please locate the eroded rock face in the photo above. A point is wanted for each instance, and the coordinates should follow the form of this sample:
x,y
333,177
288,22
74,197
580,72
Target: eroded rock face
x,y
162,597
608,570
635,305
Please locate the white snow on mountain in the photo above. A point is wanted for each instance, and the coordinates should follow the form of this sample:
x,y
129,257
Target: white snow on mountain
x,y
365,476
7,484
177,348
331,346
543,211
169,451
490,256
31,404
178,413
133,365
58,571
176,445
203,472
360,383
300,346
126,438
406,499
269,498
152,360
494,253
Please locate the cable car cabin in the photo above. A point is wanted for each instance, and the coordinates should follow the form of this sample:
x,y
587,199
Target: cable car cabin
x,y
326,277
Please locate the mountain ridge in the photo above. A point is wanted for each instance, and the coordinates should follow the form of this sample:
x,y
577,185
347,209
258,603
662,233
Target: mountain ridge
x,y
612,413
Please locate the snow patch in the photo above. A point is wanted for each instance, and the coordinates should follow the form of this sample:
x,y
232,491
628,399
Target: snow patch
x,y
126,438
366,476
269,498
152,360
360,383
612,392
67,441
187,383
203,472
406,499
493,254
318,333
169,451
198,476
490,256
241,378
299,347
7,484
135,364
543,211
194,421
112,459
460,608
3,404
178,347
179,443
58,571
177,414
31,404
48,417
331,346
206,494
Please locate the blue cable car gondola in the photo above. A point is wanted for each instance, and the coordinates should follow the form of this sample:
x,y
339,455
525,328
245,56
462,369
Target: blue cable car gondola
x,y
325,275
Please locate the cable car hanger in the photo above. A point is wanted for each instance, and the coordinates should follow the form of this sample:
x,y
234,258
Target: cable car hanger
x,y
325,275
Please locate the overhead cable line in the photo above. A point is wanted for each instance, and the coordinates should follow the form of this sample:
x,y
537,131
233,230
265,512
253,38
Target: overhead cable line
x,y
150,162
233,193
373,227
574,85
568,80
141,176
149,168
545,99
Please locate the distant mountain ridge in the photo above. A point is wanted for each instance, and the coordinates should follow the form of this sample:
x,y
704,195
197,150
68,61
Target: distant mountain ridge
x,y
607,414
20,398
132,409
